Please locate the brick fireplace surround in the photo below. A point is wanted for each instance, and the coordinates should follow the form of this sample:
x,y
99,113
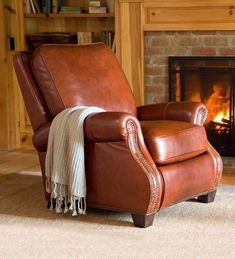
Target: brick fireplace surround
x,y
158,46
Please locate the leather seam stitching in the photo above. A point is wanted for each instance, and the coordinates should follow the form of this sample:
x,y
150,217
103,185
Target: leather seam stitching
x,y
146,167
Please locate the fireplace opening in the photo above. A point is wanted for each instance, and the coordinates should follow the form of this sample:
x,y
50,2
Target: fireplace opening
x,y
210,80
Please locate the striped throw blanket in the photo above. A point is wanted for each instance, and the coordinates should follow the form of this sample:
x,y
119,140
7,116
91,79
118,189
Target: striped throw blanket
x,y
65,167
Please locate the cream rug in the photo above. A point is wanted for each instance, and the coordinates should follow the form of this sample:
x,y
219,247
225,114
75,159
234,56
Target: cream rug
x,y
185,230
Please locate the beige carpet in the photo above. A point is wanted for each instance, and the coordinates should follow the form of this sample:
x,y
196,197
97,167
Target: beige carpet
x,y
185,230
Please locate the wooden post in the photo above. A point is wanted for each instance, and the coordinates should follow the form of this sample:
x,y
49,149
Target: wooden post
x,y
11,25
3,82
129,36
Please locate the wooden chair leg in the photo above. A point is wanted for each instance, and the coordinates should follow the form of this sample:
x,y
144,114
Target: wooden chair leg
x,y
207,198
143,221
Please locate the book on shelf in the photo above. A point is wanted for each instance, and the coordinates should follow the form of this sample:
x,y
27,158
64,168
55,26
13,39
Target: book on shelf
x,y
70,9
96,9
111,6
46,6
56,6
114,44
33,6
96,3
37,5
107,37
28,7
84,37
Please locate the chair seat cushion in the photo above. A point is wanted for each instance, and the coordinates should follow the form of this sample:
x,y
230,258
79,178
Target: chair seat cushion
x,y
173,141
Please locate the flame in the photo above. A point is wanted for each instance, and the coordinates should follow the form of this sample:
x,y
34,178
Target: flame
x,y
218,104
220,116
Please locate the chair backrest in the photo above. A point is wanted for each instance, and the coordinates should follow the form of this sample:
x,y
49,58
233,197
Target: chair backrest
x,y
89,75
56,77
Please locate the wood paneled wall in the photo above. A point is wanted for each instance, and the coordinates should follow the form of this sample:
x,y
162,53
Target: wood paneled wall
x,y
3,80
9,135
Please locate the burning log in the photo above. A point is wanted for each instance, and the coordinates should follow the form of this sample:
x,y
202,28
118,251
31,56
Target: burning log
x,y
220,124
225,121
220,127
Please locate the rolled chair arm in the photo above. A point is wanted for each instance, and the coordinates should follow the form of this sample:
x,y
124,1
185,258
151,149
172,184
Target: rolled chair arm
x,y
107,126
98,127
115,127
193,112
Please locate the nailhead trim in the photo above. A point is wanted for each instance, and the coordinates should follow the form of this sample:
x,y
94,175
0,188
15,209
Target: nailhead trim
x,y
140,159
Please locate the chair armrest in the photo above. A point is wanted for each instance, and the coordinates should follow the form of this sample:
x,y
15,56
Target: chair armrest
x,y
193,112
106,126
116,127
40,137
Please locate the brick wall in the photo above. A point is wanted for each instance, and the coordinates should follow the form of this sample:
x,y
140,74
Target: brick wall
x,y
160,45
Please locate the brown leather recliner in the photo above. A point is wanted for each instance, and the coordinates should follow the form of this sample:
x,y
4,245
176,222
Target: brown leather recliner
x,y
137,159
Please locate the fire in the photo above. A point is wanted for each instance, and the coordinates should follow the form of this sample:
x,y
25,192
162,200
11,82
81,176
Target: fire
x,y
218,105
220,116
221,122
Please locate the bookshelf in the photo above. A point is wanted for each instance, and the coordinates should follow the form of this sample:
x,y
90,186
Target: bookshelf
x,y
68,21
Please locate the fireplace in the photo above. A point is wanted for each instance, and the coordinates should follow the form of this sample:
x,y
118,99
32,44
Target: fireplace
x,y
210,80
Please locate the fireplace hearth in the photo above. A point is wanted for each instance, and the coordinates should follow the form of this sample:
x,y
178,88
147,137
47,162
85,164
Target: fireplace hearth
x,y
210,80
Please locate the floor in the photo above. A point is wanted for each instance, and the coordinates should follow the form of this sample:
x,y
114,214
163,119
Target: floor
x,y
228,176
18,161
27,161
28,229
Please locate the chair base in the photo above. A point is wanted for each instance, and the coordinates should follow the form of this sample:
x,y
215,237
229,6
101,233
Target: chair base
x,y
207,198
143,221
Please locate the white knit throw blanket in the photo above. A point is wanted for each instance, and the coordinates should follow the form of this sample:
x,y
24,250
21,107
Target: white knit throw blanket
x,y
65,167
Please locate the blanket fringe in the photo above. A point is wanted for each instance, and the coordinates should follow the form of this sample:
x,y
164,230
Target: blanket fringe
x,y
65,203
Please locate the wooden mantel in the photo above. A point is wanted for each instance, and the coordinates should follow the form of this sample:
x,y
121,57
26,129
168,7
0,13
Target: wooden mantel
x,y
137,16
